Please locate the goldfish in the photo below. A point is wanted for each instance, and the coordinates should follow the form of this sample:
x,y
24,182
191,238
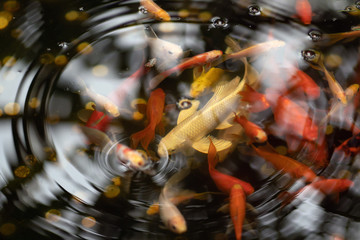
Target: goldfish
x,y
301,80
253,131
222,181
286,164
350,146
165,53
352,10
124,154
155,10
303,9
335,37
315,57
154,113
237,208
292,117
169,213
196,124
179,198
198,60
204,80
95,119
256,100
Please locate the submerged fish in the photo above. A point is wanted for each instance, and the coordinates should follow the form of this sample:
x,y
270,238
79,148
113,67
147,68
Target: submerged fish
x,y
303,9
154,113
237,208
155,10
253,131
194,127
204,80
256,100
198,60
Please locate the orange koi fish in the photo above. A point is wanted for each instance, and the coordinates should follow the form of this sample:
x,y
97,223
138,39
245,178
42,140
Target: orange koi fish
x,y
253,131
237,208
286,164
257,100
98,120
154,113
222,181
198,60
301,80
155,10
292,117
315,57
351,146
303,9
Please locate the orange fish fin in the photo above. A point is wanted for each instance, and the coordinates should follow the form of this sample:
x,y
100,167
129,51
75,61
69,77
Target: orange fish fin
x,y
144,136
212,154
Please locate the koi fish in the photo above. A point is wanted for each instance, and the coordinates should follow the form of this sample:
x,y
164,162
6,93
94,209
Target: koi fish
x,y
352,10
237,208
335,37
256,100
253,131
303,9
155,10
301,80
194,125
198,60
154,113
169,213
286,164
350,146
315,57
204,80
222,181
182,197
124,154
292,117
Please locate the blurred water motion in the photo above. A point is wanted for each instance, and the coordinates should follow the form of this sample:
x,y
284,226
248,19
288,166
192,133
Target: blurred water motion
x,y
61,61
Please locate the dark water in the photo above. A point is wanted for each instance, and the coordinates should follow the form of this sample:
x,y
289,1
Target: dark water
x,y
54,185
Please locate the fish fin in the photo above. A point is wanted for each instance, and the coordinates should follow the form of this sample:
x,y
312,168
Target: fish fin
x,y
197,72
84,114
223,89
144,136
224,208
153,209
149,31
226,123
155,81
96,136
188,112
177,177
252,77
232,43
202,145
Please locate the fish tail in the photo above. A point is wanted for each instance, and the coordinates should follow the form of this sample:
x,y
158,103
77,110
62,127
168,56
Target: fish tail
x,y
153,209
144,136
246,93
212,155
155,81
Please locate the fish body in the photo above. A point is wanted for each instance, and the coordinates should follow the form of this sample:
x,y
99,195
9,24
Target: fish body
x,y
204,81
103,101
253,131
222,181
303,81
237,208
196,126
256,100
154,113
155,10
303,9
332,186
98,120
292,117
130,156
335,87
198,60
289,165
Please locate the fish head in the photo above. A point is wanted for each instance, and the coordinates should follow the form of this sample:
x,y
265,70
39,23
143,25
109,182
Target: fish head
x,y
167,53
135,159
169,145
260,137
177,224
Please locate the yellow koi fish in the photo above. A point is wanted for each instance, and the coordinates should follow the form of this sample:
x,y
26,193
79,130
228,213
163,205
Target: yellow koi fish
x,y
315,57
204,80
193,126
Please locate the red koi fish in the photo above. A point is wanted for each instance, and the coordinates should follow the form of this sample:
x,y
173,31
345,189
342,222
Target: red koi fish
x,y
98,120
286,164
237,208
222,181
303,9
253,131
256,100
131,157
154,113
292,117
351,146
301,80
198,60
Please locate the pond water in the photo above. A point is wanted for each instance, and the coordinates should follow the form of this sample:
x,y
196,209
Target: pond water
x,y
63,60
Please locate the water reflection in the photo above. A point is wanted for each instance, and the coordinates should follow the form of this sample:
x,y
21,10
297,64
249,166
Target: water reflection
x,y
60,67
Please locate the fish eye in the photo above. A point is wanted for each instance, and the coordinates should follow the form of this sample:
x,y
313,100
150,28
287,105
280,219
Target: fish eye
x,y
357,4
348,9
308,55
170,52
254,10
184,104
315,35
173,227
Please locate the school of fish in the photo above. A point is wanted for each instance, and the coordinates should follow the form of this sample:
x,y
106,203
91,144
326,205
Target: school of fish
x,y
227,118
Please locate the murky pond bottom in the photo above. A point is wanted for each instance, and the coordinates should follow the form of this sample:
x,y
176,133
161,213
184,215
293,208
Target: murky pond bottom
x,y
272,84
